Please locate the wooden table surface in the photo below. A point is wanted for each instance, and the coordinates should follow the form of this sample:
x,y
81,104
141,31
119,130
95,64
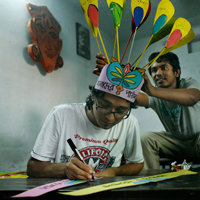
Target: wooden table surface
x,y
183,187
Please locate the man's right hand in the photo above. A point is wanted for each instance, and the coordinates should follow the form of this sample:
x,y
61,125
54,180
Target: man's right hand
x,y
101,61
78,170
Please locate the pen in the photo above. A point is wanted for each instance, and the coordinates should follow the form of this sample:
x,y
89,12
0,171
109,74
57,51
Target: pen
x,y
75,150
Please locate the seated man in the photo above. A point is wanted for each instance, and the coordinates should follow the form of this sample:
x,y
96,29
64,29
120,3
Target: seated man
x,y
177,103
102,129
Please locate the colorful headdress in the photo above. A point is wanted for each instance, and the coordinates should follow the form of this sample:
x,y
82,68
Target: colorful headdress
x,y
120,81
127,81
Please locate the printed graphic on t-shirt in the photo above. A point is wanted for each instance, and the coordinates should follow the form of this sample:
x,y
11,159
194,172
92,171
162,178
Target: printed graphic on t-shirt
x,y
173,112
105,141
98,157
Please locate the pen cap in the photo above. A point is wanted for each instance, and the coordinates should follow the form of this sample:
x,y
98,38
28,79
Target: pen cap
x,y
71,144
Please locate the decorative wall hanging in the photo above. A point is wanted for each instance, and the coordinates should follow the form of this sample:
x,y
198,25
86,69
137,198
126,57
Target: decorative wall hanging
x,y
82,41
44,31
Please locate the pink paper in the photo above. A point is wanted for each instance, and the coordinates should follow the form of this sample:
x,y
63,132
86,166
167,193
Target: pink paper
x,y
48,188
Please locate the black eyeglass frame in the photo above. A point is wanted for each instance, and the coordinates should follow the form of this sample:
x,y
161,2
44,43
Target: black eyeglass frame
x,y
109,111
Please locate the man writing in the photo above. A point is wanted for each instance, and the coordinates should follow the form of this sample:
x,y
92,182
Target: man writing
x,y
102,129
176,102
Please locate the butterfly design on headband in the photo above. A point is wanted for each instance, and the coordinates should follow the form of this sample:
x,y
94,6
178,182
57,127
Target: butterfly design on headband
x,y
124,77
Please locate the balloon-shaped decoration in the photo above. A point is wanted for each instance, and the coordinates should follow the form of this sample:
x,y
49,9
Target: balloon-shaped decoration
x,y
179,31
90,10
188,38
164,31
180,35
163,20
133,28
164,13
140,12
93,14
85,6
133,24
116,8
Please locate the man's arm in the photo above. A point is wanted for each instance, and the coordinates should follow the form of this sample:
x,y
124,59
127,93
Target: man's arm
x,y
142,100
74,169
185,97
36,168
124,170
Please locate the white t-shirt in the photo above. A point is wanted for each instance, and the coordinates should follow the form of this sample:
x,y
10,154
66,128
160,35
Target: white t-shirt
x,y
99,147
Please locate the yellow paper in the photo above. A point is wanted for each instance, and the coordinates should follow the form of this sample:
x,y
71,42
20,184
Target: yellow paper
x,y
16,174
120,2
85,4
187,34
181,42
164,31
165,7
143,4
127,183
183,25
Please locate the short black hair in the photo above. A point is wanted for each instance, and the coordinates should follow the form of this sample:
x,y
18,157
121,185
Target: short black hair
x,y
99,93
170,58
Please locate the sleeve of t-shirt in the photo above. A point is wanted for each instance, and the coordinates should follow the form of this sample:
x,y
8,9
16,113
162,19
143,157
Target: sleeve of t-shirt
x,y
133,148
190,83
46,143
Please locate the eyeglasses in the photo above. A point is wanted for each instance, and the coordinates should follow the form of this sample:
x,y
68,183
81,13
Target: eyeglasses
x,y
119,115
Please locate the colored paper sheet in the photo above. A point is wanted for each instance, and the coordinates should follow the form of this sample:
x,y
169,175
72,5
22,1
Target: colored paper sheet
x,y
48,188
133,24
180,30
116,8
139,10
164,13
93,15
128,183
164,31
182,42
180,35
90,10
162,20
17,174
134,29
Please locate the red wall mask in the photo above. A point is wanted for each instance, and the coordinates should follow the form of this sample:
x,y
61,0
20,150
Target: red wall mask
x,y
44,31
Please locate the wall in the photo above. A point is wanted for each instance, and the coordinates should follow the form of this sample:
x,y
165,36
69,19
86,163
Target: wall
x,y
27,92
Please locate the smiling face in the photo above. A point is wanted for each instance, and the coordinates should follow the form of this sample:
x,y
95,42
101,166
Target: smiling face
x,y
109,102
163,75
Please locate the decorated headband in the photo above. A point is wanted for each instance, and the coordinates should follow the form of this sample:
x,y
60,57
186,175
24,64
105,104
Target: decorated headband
x,y
120,81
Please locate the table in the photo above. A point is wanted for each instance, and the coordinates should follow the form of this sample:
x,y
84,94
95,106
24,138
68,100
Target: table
x,y
183,187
